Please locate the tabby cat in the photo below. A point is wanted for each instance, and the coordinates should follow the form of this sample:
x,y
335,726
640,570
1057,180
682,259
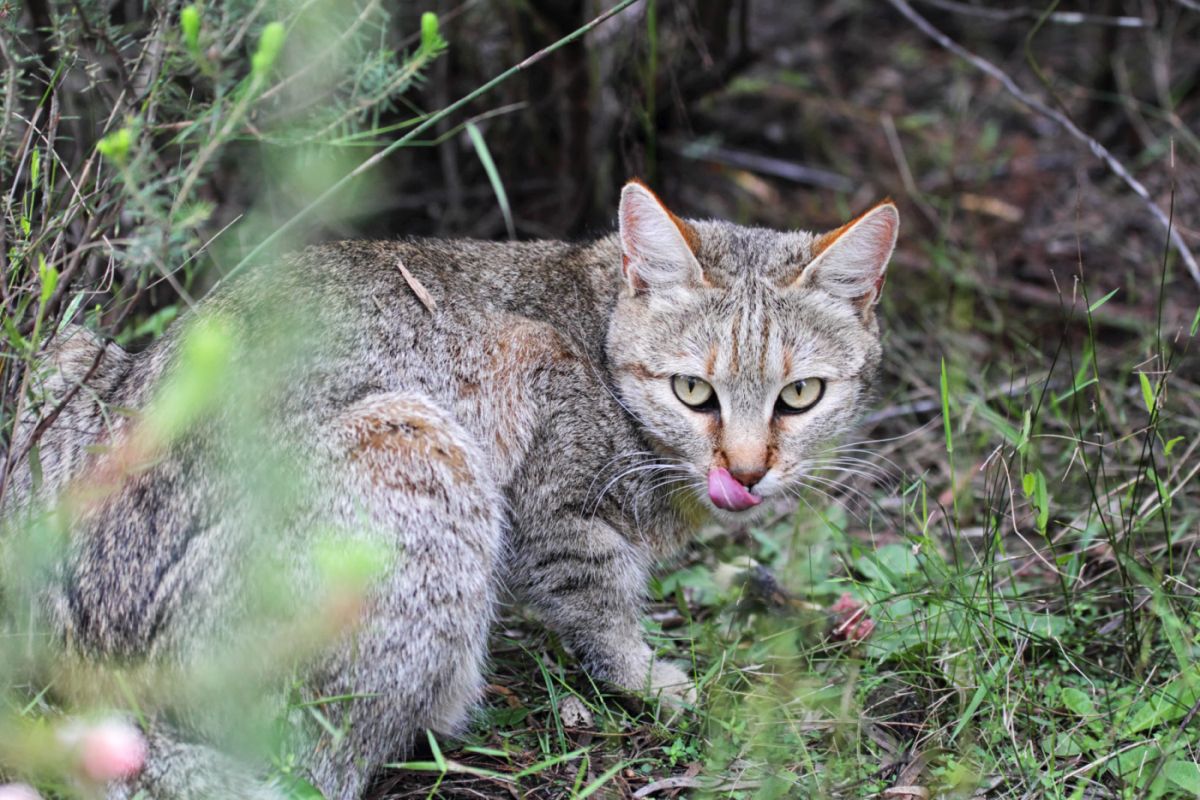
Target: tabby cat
x,y
539,420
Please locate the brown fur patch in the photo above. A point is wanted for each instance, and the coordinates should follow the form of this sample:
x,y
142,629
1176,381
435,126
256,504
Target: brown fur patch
x,y
405,431
641,372
521,351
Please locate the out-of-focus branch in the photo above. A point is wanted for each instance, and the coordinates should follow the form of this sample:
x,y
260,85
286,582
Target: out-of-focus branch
x,y
429,122
1058,17
1101,152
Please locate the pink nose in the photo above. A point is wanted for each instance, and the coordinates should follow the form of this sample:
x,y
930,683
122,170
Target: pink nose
x,y
747,477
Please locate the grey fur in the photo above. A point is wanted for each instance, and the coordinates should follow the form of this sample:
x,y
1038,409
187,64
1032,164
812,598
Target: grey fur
x,y
522,432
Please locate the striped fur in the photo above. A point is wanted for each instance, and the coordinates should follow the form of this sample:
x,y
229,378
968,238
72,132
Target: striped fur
x,y
515,426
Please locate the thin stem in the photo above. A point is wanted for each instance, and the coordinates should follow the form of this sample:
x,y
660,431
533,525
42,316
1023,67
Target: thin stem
x,y
429,122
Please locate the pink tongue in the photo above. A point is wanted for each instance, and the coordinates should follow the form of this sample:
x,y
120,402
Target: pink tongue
x,y
727,493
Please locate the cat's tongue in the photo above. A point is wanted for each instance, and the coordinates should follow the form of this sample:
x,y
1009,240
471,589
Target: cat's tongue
x,y
727,493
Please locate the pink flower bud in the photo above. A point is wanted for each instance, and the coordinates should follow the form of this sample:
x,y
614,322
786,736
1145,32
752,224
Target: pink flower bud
x,y
111,750
18,791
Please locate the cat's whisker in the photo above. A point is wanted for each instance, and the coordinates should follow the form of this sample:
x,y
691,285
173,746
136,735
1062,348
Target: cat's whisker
x,y
890,439
636,498
614,460
663,465
852,463
838,500
799,495
874,455
844,488
871,477
863,467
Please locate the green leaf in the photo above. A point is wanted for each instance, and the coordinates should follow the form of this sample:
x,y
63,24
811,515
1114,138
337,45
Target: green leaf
x,y
1079,702
1170,704
351,564
1147,391
438,758
49,278
489,166
1041,498
1102,301
1134,764
1170,445
194,387
945,386
1184,774
69,314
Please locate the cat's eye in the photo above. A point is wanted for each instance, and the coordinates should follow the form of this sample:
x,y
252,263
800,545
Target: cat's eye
x,y
694,392
800,396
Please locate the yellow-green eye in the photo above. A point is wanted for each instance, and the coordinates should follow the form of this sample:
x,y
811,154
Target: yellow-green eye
x,y
694,392
800,396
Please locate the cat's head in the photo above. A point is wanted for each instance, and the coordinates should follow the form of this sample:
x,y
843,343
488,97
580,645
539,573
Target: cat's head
x,y
745,352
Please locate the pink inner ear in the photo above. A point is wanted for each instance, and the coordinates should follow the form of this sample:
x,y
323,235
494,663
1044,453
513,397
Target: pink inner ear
x,y
883,236
657,247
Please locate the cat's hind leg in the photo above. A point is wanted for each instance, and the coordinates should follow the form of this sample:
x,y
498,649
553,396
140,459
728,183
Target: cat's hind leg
x,y
409,470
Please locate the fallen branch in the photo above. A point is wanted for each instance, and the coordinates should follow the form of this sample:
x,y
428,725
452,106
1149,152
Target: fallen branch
x,y
1058,17
688,782
988,68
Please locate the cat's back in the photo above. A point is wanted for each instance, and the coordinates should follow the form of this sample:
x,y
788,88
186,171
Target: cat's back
x,y
457,275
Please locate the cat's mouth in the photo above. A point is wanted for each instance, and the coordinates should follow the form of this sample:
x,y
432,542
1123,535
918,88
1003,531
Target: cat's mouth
x,y
727,493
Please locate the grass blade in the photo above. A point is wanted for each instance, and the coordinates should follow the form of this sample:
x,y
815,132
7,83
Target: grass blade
x,y
489,166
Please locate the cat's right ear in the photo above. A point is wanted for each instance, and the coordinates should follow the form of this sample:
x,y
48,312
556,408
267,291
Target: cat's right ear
x,y
656,245
851,262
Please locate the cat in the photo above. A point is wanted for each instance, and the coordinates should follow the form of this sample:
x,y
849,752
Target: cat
x,y
544,419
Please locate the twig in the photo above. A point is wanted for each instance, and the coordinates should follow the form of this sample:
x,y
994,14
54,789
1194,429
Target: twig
x,y
429,122
764,165
988,68
687,782
1060,17
418,289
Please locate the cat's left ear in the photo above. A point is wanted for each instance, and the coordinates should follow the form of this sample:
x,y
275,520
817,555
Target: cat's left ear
x,y
851,261
656,245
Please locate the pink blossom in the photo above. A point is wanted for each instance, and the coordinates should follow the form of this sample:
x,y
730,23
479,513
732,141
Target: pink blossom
x,y
852,622
111,750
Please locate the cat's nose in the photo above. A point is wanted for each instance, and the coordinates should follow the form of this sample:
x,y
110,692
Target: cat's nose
x,y
747,476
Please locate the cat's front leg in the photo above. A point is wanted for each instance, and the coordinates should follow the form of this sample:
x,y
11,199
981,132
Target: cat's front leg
x,y
586,581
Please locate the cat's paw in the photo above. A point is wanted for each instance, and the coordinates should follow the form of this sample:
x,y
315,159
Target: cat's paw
x,y
671,685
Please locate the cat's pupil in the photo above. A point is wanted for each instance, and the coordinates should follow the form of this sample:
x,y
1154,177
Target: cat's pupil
x,y
691,385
